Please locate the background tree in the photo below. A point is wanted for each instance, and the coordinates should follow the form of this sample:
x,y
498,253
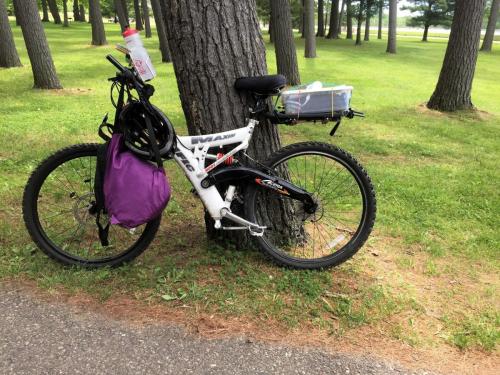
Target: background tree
x,y
121,14
360,16
453,89
82,13
44,71
333,31
286,54
310,43
341,16
98,33
370,11
137,12
161,30
145,13
65,13
430,13
8,52
321,18
490,29
349,19
76,11
45,11
54,10
380,5
393,19
302,19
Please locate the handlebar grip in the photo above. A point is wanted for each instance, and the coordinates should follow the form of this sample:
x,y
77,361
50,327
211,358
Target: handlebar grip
x,y
115,62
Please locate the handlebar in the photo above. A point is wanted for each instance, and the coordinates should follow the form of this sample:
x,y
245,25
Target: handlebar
x,y
115,62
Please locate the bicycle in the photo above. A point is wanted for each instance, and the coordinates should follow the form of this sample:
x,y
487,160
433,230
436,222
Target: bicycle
x,y
311,205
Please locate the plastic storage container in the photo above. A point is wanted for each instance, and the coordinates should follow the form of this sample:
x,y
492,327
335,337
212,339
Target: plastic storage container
x,y
138,54
316,99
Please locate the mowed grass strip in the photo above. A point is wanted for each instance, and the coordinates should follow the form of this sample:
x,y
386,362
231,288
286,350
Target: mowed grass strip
x,y
429,274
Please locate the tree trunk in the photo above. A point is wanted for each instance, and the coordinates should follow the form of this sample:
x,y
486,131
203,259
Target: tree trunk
x,y
82,13
45,11
393,18
145,13
8,56
44,71
327,13
76,11
341,15
360,22
98,33
125,9
349,20
453,89
380,15
54,10
137,12
490,29
161,30
286,54
206,74
122,16
321,25
310,45
270,30
333,31
303,19
426,32
65,13
367,26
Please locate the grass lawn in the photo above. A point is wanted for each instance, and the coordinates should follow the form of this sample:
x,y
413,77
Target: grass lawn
x,y
428,276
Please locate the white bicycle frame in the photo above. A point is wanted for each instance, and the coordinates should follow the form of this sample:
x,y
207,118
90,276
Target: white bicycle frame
x,y
191,153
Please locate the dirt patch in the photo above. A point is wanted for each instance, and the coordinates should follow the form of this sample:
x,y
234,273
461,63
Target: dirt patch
x,y
368,341
475,114
69,91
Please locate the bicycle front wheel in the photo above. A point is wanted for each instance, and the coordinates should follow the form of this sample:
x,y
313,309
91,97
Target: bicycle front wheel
x,y
58,212
338,227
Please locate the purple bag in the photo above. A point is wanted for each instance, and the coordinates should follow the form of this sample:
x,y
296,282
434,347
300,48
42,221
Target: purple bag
x,y
135,191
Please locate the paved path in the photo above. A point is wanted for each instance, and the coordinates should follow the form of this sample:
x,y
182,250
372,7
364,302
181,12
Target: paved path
x,y
47,338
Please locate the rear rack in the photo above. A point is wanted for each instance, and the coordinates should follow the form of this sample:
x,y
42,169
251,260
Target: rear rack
x,y
277,117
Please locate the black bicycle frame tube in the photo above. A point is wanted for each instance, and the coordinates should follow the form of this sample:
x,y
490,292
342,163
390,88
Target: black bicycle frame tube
x,y
241,174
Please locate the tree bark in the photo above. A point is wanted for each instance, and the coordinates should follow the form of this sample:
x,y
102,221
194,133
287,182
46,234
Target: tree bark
x,y
98,33
44,71
65,13
145,13
213,42
125,9
8,56
333,31
490,29
426,33
286,54
302,19
453,89
393,17
321,19
122,16
82,13
76,11
380,15
369,5
310,43
137,12
161,30
54,10
45,11
270,30
349,20
341,15
360,22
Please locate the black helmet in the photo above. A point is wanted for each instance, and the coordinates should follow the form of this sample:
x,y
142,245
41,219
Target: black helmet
x,y
135,130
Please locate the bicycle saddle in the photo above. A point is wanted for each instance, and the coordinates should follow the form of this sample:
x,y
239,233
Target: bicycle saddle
x,y
263,85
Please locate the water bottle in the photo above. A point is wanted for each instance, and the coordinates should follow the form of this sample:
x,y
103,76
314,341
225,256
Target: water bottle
x,y
138,54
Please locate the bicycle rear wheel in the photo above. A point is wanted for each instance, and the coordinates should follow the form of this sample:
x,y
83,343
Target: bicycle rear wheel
x,y
338,227
57,210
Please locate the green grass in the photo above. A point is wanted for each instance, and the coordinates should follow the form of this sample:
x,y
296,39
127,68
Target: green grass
x,y
436,178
